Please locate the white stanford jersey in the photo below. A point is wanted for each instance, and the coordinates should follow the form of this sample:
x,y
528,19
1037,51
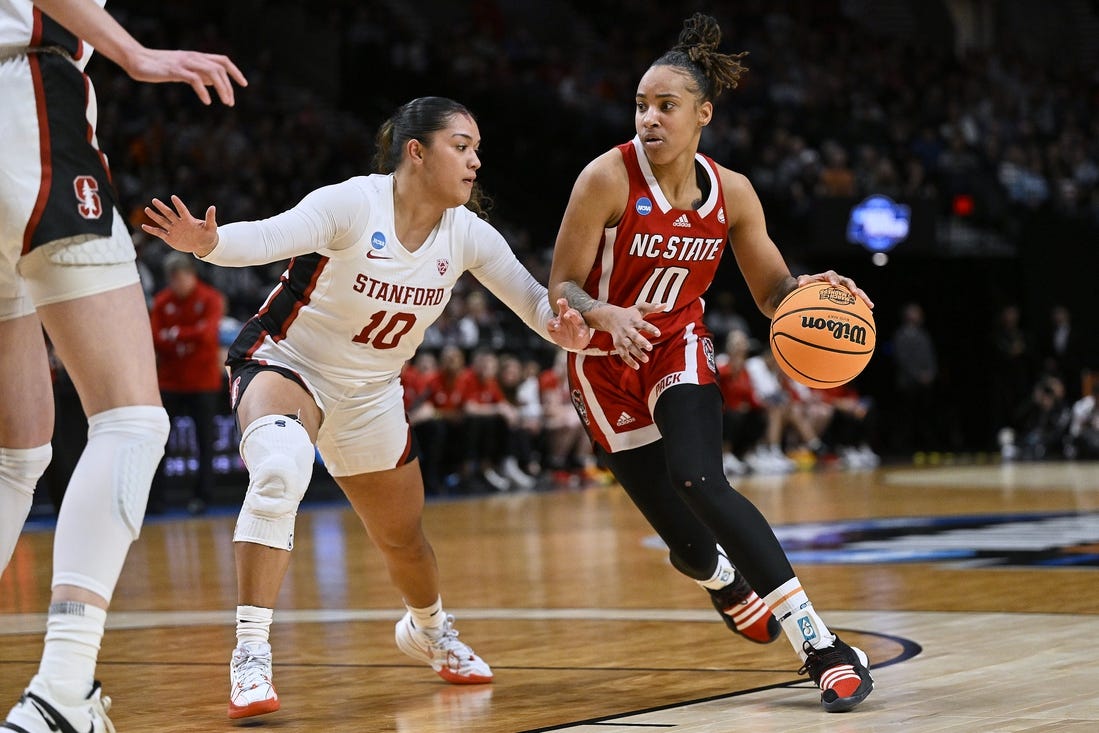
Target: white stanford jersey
x,y
658,254
354,303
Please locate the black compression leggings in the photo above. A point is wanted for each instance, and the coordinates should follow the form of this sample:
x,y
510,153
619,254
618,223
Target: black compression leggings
x,y
679,485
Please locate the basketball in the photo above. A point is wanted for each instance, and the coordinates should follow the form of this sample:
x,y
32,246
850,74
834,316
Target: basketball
x,y
822,336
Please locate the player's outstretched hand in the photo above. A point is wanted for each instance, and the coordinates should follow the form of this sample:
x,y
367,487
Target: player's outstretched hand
x,y
568,329
199,70
831,276
179,229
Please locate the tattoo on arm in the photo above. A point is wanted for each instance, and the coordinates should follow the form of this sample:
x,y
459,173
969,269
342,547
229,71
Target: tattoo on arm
x,y
578,298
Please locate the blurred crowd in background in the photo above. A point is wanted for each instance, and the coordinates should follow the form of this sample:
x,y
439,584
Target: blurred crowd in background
x,y
982,116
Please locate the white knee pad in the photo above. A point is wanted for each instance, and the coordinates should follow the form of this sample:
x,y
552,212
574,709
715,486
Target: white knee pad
x,y
104,504
20,469
279,456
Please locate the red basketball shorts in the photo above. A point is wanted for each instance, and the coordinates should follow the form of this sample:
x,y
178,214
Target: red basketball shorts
x,y
616,402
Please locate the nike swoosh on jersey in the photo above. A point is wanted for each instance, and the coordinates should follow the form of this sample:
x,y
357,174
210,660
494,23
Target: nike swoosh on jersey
x,y
371,256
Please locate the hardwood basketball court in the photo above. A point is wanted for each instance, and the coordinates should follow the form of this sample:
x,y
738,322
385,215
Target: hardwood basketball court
x,y
972,588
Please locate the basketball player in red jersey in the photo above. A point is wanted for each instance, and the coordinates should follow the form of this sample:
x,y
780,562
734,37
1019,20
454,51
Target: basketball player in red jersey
x,y
639,244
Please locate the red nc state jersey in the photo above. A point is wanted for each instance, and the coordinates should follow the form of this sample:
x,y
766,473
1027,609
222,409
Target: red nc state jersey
x,y
658,254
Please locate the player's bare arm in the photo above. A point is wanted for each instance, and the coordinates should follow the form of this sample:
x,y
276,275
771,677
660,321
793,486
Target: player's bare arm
x,y
758,257
90,22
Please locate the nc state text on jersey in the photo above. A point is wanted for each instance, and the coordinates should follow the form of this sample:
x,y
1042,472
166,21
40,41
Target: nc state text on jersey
x,y
403,294
683,249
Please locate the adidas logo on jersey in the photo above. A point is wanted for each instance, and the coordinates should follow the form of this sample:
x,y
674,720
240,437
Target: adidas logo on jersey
x,y
624,419
682,221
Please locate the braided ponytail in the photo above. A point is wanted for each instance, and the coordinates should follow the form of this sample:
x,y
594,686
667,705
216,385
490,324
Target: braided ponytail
x,y
696,54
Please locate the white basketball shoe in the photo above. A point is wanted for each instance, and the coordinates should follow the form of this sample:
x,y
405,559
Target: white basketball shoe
x,y
451,659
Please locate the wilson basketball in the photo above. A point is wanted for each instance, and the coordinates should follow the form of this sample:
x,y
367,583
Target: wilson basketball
x,y
822,335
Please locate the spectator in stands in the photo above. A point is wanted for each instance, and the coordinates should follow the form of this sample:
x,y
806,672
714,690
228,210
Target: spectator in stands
x,y
851,425
489,418
441,431
1043,420
916,366
1062,351
520,388
743,415
1010,376
185,318
783,415
1083,435
568,448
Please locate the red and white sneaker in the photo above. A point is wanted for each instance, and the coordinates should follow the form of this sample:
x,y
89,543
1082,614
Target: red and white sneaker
x,y
841,672
451,659
251,691
744,612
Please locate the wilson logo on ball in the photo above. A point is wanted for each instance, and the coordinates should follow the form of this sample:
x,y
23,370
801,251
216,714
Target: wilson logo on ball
x,y
839,329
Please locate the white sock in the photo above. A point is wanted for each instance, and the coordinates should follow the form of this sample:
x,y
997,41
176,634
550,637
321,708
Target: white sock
x,y
73,634
431,617
723,575
254,624
800,622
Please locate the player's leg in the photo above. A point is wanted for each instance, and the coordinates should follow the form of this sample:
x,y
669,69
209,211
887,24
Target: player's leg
x,y
279,422
390,504
643,474
689,417
103,340
26,420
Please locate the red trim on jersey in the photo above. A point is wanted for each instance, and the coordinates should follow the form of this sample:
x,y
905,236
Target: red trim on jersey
x,y
91,130
44,151
303,301
407,447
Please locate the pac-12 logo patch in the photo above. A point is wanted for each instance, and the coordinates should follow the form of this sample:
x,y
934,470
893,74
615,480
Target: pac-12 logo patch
x,y
88,203
442,265
644,206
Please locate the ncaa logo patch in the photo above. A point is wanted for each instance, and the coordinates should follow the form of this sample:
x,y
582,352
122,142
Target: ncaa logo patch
x,y
377,241
88,203
644,206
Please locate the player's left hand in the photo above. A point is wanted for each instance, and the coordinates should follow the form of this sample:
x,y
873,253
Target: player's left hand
x,y
831,276
568,329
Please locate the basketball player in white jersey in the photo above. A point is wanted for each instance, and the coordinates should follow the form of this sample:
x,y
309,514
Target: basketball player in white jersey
x,y
374,261
639,244
67,264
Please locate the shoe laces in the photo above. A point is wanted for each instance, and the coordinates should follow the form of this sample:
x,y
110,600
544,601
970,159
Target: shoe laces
x,y
446,639
251,668
818,661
